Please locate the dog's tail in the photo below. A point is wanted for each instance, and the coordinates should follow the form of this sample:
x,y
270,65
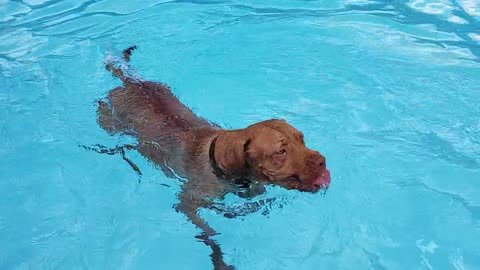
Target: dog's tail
x,y
120,67
127,53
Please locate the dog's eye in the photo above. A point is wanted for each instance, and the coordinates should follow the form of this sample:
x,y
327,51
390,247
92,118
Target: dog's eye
x,y
281,152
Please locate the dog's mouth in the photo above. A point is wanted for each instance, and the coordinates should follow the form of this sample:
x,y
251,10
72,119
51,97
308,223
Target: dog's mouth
x,y
322,182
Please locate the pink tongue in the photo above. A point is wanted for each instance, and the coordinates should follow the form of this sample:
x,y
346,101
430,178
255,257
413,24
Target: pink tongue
x,y
324,179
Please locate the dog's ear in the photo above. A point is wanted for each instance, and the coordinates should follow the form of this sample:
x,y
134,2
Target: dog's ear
x,y
231,151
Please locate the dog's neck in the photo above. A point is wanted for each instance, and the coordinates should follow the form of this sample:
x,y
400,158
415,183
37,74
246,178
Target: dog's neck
x,y
217,170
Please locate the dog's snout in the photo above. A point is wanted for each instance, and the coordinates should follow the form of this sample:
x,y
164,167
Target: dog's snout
x,y
317,160
321,161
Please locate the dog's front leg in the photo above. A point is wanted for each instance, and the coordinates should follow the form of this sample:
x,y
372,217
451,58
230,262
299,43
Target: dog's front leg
x,y
189,205
253,190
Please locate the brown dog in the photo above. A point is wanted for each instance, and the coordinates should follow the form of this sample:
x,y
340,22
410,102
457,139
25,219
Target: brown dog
x,y
215,161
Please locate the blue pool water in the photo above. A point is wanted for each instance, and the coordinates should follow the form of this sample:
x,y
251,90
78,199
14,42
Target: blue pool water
x,y
388,91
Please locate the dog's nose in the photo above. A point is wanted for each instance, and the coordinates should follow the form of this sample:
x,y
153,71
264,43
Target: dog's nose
x,y
317,160
321,161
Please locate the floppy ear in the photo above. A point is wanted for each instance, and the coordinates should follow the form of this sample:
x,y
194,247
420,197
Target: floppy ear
x,y
231,151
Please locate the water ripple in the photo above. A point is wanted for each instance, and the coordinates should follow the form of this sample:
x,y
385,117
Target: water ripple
x,y
38,22
387,90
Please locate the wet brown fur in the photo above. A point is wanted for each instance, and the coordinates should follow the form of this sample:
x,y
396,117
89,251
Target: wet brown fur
x,y
173,137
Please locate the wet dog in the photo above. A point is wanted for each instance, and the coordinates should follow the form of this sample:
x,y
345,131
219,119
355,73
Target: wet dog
x,y
214,160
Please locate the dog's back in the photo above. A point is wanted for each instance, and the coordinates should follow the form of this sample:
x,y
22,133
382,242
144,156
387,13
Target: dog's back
x,y
145,109
150,110
166,130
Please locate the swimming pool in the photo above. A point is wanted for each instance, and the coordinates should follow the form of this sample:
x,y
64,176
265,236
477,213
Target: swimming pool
x,y
389,91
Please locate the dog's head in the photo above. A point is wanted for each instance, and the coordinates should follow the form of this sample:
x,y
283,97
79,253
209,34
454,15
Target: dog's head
x,y
273,152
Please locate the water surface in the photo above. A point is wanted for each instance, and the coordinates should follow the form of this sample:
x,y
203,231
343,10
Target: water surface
x,y
388,91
